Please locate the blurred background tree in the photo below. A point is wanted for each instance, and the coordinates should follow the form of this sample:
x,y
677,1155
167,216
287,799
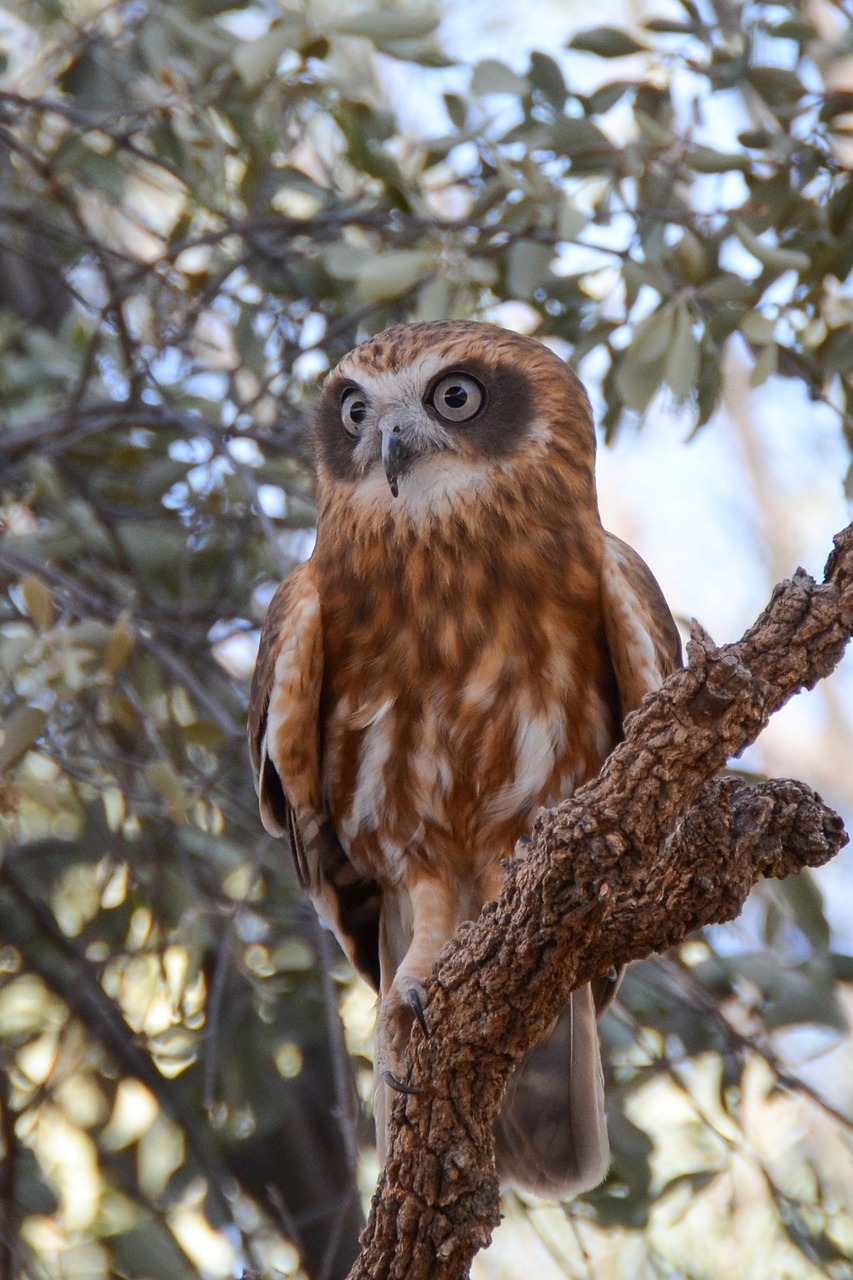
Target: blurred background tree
x,y
203,205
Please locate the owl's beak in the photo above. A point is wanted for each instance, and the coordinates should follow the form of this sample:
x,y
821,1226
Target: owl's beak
x,y
395,454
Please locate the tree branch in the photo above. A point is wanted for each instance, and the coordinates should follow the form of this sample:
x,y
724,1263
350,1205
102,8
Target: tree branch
x,y
645,853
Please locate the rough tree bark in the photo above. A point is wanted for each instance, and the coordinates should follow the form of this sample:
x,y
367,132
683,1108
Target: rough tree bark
x,y
651,849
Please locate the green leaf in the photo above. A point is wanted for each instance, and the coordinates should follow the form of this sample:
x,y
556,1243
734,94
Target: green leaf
x,y
256,60
652,336
457,109
682,361
24,727
527,268
657,133
344,260
387,24
728,290
707,160
837,103
709,384
793,29
669,26
150,1250
104,170
434,299
758,328
606,42
777,85
391,274
805,1004
601,101
691,256
579,138
755,139
837,351
769,255
761,969
637,382
841,966
88,82
624,1197
570,220
806,902
167,783
765,366
491,76
38,601
33,1194
547,77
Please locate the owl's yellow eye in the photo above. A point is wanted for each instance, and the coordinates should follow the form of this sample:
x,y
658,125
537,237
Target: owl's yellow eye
x,y
353,410
457,397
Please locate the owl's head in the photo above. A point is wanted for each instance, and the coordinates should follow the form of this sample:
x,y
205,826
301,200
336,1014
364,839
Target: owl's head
x,y
426,413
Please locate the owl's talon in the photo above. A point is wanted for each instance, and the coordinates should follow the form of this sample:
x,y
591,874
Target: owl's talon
x,y
400,1086
399,1008
414,999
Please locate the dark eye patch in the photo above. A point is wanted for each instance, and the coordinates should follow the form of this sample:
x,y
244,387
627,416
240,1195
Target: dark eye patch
x,y
332,443
496,431
502,423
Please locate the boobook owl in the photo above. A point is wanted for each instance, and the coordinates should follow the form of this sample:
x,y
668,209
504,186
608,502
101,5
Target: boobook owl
x,y
460,651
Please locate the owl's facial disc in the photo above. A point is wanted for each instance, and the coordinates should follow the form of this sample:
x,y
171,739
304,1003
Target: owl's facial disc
x,y
432,425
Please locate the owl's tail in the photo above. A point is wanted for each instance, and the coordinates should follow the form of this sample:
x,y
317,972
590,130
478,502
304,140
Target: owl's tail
x,y
551,1134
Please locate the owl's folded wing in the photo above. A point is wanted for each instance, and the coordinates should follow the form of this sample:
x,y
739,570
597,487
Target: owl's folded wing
x,y
284,745
642,637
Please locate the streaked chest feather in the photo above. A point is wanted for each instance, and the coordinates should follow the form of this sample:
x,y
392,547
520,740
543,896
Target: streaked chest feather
x,y
467,679
443,737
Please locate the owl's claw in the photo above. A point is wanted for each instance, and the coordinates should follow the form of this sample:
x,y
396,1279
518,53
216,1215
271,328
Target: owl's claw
x,y
400,1086
413,996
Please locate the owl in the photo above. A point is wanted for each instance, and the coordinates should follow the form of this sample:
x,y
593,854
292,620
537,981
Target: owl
x,y
459,653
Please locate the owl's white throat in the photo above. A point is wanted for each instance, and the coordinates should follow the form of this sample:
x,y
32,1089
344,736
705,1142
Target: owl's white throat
x,y
431,486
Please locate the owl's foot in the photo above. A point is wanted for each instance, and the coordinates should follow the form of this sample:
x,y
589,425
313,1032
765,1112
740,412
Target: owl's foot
x,y
403,1004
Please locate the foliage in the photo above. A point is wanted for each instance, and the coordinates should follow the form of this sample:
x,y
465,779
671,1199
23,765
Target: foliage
x,y
202,207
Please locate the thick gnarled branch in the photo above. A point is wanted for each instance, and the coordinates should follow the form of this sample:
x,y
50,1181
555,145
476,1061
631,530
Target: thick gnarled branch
x,y
649,850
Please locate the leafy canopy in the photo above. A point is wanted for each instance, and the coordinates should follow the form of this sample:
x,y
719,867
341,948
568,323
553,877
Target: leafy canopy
x,y
202,207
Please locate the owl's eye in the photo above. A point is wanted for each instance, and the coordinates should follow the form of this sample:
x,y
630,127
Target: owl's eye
x,y
458,397
353,410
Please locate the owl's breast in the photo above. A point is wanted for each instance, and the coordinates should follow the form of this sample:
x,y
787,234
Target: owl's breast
x,y
442,738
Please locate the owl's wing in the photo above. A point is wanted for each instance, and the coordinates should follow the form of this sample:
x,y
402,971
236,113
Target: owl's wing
x,y
644,647
285,750
641,633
